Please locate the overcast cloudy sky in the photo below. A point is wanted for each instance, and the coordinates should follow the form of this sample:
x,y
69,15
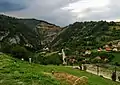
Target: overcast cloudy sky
x,y
62,12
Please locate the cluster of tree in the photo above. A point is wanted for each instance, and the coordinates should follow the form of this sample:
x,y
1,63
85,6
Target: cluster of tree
x,y
44,59
17,51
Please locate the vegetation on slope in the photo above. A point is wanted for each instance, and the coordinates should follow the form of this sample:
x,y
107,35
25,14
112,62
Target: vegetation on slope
x,y
14,32
14,71
84,35
30,33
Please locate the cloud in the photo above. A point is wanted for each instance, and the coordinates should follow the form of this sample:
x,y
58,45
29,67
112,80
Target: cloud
x,y
64,12
88,10
50,11
12,5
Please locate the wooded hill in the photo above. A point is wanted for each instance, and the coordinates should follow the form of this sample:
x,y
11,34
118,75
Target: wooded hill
x,y
37,34
87,35
25,32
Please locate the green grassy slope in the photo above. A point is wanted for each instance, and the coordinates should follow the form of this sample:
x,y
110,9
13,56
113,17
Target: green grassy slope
x,y
23,73
117,57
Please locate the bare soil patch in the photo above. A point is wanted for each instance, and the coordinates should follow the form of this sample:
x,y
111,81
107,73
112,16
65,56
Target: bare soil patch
x,y
71,79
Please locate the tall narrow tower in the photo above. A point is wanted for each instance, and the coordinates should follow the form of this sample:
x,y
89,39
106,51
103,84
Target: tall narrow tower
x,y
63,55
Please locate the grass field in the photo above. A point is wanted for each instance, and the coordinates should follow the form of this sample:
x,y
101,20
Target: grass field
x,y
117,57
16,72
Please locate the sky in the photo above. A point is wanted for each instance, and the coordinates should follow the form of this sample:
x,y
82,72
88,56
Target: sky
x,y
62,12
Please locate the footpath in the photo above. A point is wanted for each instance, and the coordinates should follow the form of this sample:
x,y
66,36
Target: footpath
x,y
106,73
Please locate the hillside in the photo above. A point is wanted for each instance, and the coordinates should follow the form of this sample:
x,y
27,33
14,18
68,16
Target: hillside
x,y
14,32
17,72
29,33
84,35
47,31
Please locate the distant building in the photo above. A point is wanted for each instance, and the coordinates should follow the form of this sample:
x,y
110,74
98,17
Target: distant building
x,y
46,49
98,58
118,43
106,60
29,45
88,52
108,49
100,49
115,49
114,46
106,46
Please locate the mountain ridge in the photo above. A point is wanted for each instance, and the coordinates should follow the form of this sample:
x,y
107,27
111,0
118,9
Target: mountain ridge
x,y
24,31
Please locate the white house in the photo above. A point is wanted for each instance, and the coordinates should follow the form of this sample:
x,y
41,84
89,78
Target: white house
x,y
88,52
115,49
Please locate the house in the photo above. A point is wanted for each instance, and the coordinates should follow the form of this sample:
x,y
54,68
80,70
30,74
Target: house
x,y
114,46
115,49
46,49
106,60
98,58
106,46
118,43
88,52
100,49
108,49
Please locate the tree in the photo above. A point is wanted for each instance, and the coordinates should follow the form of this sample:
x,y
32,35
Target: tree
x,y
20,52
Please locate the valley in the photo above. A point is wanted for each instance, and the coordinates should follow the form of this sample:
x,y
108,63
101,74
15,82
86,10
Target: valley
x,y
34,52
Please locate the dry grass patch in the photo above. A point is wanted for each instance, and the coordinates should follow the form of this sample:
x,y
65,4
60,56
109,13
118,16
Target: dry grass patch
x,y
70,79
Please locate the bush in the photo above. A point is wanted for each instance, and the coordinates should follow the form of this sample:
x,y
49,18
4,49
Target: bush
x,y
117,63
54,59
5,48
20,52
101,76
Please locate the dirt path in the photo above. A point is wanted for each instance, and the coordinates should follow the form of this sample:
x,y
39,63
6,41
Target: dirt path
x,y
106,73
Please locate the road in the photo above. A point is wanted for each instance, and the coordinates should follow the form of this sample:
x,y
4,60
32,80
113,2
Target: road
x,y
106,73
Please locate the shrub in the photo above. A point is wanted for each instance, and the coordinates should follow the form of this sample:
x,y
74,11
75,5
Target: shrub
x,y
5,48
20,52
101,76
54,59
117,63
